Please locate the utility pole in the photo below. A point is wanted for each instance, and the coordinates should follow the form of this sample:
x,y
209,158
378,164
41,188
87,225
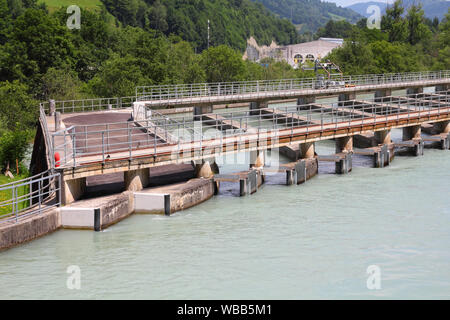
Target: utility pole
x,y
208,33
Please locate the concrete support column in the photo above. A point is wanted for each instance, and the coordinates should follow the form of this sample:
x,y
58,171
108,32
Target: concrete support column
x,y
256,105
307,150
412,132
382,157
346,97
206,168
199,110
306,100
441,87
383,136
136,180
442,127
415,90
73,190
344,145
380,94
57,121
257,159
52,107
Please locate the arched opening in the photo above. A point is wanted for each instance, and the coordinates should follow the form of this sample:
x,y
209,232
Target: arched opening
x,y
298,58
309,57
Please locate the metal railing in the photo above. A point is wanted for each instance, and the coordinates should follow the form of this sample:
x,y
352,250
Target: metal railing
x,y
197,90
89,105
30,196
83,144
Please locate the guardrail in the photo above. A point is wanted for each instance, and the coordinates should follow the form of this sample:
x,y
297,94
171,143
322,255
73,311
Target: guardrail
x,y
184,91
30,196
81,144
85,105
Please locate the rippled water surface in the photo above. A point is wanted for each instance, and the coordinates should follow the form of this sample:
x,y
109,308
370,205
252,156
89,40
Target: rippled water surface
x,y
310,241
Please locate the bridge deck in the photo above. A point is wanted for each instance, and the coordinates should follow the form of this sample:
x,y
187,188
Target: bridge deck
x,y
182,152
208,98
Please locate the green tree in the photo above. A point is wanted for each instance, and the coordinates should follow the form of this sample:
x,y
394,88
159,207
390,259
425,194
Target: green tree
x,y
61,84
118,77
418,30
37,42
17,109
223,64
13,145
393,22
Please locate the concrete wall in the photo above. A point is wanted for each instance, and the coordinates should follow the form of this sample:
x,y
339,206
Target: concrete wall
x,y
195,191
29,229
116,209
77,218
155,203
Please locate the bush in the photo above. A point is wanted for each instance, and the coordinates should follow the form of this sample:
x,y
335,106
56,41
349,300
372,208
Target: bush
x,y
13,145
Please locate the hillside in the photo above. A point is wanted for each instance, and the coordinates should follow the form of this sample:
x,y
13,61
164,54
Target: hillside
x,y
432,8
53,5
311,14
232,22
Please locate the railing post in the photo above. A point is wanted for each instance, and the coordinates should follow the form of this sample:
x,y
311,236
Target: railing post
x,y
103,147
74,150
129,140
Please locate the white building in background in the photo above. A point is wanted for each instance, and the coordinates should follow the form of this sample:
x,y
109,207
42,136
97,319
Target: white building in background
x,y
294,54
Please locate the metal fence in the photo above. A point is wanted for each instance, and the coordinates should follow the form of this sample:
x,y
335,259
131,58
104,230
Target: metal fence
x,y
82,144
191,91
88,105
30,196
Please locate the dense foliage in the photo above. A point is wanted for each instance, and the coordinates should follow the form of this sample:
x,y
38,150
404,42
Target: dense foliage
x,y
232,22
309,14
407,41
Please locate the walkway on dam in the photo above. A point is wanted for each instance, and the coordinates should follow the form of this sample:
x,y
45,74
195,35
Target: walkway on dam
x,y
119,146
248,91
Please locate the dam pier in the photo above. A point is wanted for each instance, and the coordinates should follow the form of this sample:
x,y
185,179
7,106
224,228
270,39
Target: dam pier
x,y
97,161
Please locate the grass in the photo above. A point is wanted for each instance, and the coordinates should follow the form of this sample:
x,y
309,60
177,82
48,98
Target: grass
x,y
6,195
53,5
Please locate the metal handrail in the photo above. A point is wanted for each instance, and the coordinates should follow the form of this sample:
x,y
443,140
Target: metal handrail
x,y
196,90
41,193
108,140
85,105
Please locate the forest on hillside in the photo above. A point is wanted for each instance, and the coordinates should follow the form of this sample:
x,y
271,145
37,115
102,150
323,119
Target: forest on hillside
x,y
232,22
40,58
310,14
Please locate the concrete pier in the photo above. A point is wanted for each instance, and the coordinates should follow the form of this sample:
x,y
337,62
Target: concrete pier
x,y
346,97
72,190
307,150
306,100
380,94
202,109
206,169
414,90
344,145
136,180
256,105
257,159
412,132
441,87
442,127
383,137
